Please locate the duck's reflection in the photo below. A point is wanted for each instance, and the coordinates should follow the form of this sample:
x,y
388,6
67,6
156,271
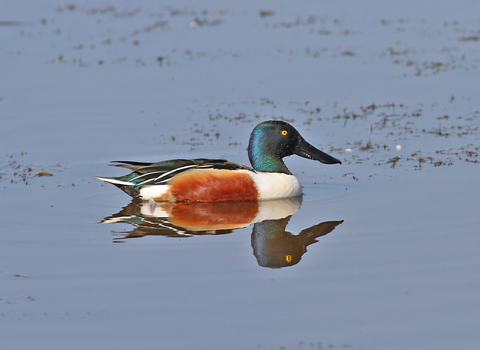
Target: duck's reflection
x,y
273,246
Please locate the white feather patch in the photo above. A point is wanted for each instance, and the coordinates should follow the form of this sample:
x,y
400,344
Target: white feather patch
x,y
153,191
114,181
276,185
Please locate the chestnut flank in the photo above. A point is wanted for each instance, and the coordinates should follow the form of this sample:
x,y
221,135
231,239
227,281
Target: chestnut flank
x,y
212,185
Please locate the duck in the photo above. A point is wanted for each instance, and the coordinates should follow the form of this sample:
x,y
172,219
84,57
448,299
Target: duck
x,y
219,180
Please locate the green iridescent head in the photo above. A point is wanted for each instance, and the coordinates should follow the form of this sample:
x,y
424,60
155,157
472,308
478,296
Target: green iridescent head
x,y
273,140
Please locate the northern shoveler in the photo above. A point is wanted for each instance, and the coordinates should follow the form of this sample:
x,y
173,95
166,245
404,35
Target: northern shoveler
x,y
215,180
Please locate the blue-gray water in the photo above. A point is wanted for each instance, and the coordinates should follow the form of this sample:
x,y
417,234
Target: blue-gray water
x,y
390,90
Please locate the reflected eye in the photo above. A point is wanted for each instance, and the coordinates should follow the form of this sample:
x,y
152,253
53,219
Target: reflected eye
x,y
284,132
288,258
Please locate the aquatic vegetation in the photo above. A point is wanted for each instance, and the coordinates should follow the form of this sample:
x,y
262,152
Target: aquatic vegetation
x,y
14,171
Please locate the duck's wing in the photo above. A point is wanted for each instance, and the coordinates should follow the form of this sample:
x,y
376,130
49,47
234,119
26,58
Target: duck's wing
x,y
129,165
161,172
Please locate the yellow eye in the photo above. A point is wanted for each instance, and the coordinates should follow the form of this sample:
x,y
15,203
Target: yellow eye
x,y
288,258
284,132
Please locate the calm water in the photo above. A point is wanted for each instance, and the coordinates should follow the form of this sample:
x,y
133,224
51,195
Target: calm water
x,y
380,253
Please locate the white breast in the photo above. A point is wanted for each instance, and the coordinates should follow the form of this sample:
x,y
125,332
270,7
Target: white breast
x,y
276,185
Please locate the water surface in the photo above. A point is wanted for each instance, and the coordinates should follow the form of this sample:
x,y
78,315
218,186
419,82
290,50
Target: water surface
x,y
390,91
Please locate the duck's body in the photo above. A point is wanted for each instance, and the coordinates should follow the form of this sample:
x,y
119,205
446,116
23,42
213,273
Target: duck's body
x,y
203,180
214,180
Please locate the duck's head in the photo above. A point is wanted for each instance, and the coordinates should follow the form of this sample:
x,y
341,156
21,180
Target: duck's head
x,y
273,140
